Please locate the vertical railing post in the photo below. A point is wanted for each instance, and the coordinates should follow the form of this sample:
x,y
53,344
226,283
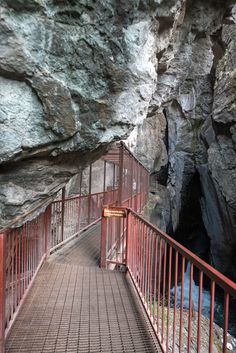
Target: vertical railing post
x,y
120,189
115,183
109,195
103,242
63,212
104,176
47,229
131,178
80,201
90,190
147,186
121,169
137,189
80,182
141,187
114,176
104,184
2,290
128,234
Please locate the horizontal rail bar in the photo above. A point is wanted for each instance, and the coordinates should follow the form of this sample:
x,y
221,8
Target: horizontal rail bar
x,y
121,144
133,156
77,197
164,274
28,245
214,274
64,242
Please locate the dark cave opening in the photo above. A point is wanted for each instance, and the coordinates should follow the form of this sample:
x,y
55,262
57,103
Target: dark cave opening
x,y
191,231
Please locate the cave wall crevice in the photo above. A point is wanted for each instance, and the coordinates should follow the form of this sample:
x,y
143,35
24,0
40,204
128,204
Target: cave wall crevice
x,y
196,89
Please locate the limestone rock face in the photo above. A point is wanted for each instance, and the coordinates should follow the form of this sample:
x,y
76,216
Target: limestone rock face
x,y
158,209
196,92
147,140
74,77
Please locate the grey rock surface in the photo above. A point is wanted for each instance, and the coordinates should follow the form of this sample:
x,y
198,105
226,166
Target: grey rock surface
x,y
75,76
158,208
196,91
147,141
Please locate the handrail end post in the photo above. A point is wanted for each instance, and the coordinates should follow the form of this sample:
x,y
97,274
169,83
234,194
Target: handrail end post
x,y
103,242
128,238
2,290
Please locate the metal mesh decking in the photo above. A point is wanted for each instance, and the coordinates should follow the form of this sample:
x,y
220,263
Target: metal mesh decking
x,y
75,308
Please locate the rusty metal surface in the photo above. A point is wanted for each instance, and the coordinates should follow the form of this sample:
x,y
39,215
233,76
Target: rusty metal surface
x,y
74,306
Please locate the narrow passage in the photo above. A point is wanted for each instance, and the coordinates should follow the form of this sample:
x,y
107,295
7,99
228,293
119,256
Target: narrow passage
x,y
74,306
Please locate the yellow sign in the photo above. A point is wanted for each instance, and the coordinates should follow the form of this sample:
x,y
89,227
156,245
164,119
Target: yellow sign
x,y
114,212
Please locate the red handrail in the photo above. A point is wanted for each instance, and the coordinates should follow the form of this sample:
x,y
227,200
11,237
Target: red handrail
x,y
156,263
214,274
28,245
79,212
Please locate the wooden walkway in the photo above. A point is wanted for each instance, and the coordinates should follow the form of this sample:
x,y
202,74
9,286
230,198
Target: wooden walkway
x,y
74,306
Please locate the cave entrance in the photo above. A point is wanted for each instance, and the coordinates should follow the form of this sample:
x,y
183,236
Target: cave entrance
x,y
191,231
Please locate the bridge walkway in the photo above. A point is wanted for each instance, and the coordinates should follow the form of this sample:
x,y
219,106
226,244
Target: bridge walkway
x,y
74,306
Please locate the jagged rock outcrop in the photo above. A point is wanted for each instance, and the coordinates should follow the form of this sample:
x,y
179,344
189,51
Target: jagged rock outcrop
x,y
74,77
196,91
147,140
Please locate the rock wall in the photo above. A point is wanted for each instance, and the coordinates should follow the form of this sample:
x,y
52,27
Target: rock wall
x,y
77,75
196,93
80,182
74,77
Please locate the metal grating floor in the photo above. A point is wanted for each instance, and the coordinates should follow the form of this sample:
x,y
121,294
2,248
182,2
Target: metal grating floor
x,y
74,306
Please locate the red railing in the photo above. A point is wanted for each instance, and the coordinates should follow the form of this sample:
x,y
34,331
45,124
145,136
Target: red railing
x,y
181,293
113,247
132,177
70,216
23,250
